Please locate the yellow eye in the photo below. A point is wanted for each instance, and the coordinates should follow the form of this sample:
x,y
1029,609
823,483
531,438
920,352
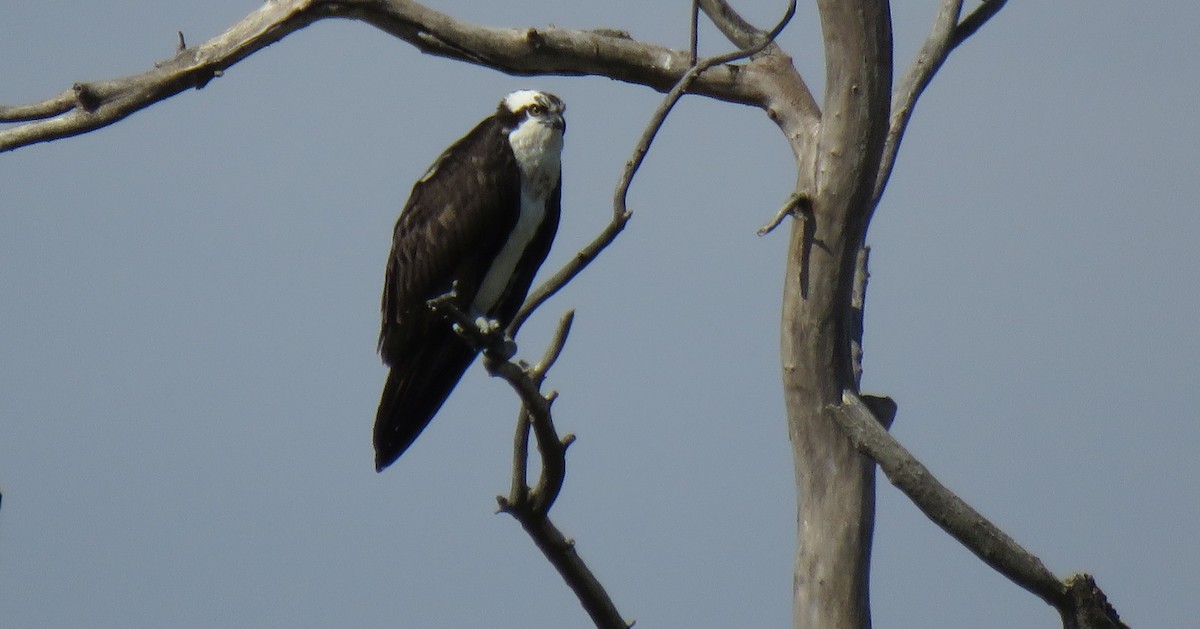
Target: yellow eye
x,y
536,110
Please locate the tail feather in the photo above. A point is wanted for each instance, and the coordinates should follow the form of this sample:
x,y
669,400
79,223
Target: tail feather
x,y
415,389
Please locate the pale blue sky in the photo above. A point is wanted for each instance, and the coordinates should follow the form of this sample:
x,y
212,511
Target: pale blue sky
x,y
189,306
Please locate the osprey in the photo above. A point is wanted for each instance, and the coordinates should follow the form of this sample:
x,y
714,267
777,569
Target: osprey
x,y
480,221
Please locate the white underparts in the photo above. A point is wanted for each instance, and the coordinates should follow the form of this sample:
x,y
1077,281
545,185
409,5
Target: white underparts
x,y
537,146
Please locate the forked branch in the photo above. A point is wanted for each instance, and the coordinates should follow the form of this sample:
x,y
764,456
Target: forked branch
x,y
530,507
948,32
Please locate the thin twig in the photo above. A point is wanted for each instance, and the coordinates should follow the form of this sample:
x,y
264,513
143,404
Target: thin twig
x,y
694,39
554,350
550,446
55,105
518,491
794,204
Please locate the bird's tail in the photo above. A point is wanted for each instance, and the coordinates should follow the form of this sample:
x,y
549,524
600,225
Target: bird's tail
x,y
414,391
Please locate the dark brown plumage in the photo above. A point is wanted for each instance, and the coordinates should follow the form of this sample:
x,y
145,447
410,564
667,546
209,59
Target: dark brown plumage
x,y
457,220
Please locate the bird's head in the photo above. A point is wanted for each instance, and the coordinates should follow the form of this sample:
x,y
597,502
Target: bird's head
x,y
529,105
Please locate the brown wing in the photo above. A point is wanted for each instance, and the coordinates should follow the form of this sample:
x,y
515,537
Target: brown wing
x,y
454,224
456,220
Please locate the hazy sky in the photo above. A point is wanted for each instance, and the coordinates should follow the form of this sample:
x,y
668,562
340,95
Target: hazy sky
x,y
189,307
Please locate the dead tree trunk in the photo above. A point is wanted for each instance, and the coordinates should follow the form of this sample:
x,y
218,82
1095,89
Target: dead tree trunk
x,y
835,484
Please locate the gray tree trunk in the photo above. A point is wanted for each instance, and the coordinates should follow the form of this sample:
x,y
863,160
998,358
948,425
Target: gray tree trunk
x,y
834,483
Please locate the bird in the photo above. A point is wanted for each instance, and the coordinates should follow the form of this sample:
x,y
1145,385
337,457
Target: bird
x,y
479,222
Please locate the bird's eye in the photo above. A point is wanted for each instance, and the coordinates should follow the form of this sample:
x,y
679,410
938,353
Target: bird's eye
x,y
536,110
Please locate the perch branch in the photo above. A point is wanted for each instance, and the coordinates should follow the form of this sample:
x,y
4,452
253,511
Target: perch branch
x,y
498,350
530,507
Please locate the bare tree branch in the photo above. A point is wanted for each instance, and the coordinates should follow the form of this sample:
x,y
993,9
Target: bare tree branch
x,y
530,507
91,105
621,215
520,487
560,551
732,25
942,506
555,349
946,35
1087,606
793,205
53,106
960,520
94,104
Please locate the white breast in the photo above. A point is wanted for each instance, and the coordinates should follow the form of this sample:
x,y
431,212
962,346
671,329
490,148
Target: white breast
x,y
538,149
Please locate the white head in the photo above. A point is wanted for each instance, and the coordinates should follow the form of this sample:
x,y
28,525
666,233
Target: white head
x,y
534,123
543,107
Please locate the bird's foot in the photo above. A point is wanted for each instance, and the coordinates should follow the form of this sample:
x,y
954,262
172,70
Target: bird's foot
x,y
487,327
490,329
